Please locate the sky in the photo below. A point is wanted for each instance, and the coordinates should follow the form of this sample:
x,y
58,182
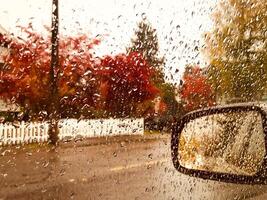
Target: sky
x,y
180,24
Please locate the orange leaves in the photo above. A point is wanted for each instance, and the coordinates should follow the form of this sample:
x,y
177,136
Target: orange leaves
x,y
162,107
196,92
26,79
115,84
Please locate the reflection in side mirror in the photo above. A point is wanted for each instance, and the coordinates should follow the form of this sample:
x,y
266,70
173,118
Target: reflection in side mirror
x,y
231,142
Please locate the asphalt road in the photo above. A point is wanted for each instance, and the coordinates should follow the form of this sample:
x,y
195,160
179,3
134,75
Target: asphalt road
x,y
120,168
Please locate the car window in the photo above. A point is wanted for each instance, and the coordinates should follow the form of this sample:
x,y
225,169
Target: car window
x,y
90,92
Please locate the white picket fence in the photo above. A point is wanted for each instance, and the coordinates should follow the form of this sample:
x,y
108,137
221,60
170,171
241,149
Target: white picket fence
x,y
23,133
69,129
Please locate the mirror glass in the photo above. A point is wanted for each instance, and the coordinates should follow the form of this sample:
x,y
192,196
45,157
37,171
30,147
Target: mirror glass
x,y
230,143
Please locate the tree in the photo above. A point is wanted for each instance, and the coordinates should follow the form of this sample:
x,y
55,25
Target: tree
x,y
125,83
145,42
25,77
168,97
172,109
236,50
196,92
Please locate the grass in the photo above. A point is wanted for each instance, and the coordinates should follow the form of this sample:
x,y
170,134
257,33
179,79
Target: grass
x,y
150,132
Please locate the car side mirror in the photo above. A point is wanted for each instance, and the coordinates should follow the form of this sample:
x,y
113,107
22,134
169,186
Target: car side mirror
x,y
222,143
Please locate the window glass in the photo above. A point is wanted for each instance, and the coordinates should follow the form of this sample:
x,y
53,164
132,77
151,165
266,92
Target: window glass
x,y
91,90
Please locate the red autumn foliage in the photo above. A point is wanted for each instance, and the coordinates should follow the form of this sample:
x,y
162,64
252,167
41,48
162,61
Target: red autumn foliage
x,y
196,92
125,83
25,79
115,84
162,107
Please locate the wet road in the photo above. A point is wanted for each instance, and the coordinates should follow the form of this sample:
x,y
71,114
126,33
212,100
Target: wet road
x,y
122,168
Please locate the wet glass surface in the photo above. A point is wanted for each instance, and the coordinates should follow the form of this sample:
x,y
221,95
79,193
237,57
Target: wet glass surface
x,y
90,92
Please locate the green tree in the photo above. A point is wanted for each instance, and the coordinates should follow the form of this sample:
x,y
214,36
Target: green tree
x,y
174,109
145,41
236,50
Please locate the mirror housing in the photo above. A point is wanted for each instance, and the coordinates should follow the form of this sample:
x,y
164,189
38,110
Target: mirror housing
x,y
258,178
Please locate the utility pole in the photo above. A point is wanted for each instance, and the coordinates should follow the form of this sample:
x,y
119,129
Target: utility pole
x,y
53,108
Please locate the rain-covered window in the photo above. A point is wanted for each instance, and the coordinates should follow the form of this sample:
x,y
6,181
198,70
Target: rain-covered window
x,y
90,91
